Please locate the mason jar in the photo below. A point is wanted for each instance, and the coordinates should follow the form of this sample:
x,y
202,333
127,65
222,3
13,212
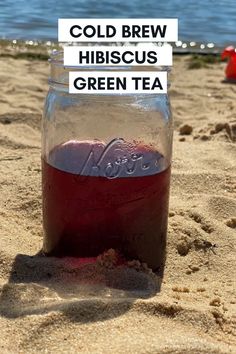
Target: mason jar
x,y
106,162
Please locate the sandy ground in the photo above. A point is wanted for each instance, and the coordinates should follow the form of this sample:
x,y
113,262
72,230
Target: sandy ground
x,y
49,306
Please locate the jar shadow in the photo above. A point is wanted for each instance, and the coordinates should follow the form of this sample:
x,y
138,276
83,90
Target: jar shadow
x,y
84,291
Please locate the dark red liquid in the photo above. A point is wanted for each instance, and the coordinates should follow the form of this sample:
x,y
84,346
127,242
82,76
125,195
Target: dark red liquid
x,y
85,215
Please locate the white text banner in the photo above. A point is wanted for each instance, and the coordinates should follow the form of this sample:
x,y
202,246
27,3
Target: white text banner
x,y
126,55
117,30
122,82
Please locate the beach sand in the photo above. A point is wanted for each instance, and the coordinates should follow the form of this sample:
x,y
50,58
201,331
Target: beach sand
x,y
50,305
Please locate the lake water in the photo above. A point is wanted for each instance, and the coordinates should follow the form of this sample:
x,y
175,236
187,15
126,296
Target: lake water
x,y
199,20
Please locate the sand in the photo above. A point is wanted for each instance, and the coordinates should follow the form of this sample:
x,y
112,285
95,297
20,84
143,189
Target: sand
x,y
49,305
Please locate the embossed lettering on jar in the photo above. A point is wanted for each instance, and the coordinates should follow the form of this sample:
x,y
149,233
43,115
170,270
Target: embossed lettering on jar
x,y
106,163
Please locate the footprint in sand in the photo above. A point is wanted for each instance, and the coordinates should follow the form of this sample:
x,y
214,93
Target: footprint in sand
x,y
205,226
231,223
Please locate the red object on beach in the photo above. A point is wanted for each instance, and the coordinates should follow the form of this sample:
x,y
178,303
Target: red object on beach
x,y
230,71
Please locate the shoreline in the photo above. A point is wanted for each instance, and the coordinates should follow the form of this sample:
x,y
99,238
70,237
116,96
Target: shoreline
x,y
10,47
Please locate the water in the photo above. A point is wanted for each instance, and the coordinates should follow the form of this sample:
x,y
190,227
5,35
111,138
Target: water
x,y
201,21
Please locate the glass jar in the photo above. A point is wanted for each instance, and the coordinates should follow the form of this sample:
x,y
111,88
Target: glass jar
x,y
105,171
